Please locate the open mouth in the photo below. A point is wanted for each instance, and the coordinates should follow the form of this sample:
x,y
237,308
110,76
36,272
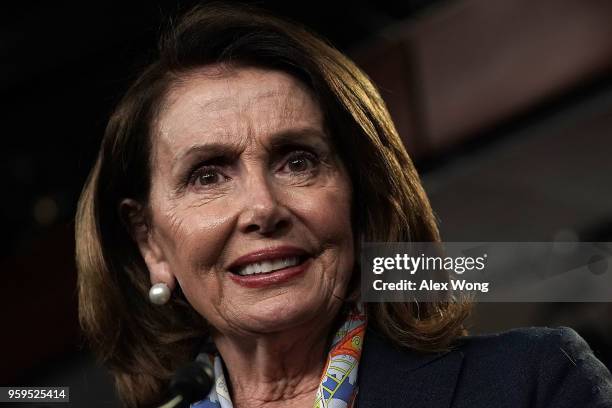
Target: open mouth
x,y
268,267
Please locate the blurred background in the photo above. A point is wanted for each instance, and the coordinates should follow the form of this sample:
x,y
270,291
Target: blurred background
x,y
505,106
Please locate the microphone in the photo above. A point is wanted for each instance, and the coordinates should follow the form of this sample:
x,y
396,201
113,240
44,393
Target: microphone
x,y
191,383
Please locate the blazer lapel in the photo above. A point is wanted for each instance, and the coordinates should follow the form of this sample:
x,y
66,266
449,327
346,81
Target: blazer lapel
x,y
390,377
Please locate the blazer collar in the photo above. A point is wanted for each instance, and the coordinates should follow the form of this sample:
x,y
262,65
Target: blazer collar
x,y
393,377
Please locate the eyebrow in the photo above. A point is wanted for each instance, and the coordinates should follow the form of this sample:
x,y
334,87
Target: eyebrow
x,y
232,150
295,136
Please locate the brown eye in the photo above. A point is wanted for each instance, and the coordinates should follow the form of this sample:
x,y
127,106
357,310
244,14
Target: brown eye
x,y
207,177
300,162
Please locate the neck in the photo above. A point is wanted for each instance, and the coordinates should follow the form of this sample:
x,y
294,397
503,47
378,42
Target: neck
x,y
275,369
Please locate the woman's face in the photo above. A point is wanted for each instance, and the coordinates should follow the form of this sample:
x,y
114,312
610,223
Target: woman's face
x,y
250,206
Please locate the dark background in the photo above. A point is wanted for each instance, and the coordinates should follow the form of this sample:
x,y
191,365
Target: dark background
x,y
505,105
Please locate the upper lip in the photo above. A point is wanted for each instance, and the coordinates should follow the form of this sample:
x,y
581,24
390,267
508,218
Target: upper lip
x,y
268,254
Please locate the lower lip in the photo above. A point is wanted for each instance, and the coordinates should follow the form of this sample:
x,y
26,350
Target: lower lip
x,y
272,278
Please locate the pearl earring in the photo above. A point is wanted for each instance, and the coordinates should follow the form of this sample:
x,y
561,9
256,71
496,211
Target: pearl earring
x,y
159,294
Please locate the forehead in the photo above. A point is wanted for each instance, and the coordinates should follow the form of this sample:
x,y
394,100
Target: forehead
x,y
217,104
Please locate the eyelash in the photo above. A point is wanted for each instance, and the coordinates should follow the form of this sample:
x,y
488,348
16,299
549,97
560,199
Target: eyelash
x,y
302,154
202,169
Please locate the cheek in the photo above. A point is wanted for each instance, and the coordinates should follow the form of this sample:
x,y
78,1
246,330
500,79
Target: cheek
x,y
327,213
196,237
199,240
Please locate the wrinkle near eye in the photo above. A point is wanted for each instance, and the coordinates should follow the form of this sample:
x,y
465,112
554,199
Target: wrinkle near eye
x,y
204,201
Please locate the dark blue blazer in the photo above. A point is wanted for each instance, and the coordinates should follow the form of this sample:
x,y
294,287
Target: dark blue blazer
x,y
534,367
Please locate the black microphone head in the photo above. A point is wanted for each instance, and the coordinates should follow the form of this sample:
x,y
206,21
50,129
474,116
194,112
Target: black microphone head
x,y
193,381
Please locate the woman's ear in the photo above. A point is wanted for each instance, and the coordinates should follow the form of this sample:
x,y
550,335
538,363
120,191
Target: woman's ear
x,y
134,219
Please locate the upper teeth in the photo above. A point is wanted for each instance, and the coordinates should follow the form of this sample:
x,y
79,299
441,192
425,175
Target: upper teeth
x,y
268,266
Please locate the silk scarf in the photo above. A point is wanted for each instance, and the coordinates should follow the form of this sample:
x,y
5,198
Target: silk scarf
x,y
338,386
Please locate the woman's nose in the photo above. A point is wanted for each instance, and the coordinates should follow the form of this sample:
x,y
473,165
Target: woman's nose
x,y
263,213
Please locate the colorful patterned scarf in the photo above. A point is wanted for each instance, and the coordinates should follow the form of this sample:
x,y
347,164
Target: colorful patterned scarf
x,y
338,387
